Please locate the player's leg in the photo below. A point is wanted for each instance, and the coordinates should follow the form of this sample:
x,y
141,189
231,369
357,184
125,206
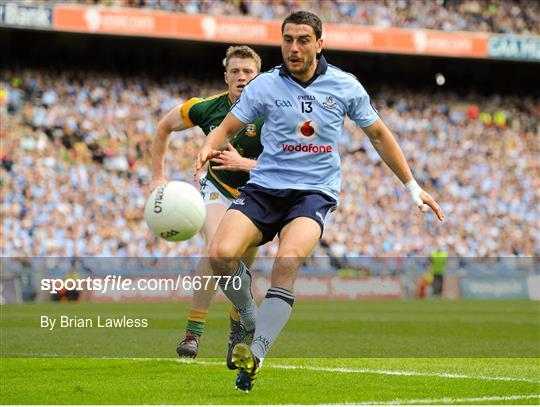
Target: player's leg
x,y
216,206
303,228
202,298
296,241
249,256
237,332
235,235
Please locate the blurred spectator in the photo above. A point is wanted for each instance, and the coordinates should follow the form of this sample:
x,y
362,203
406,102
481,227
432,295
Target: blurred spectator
x,y
76,165
497,16
423,289
438,259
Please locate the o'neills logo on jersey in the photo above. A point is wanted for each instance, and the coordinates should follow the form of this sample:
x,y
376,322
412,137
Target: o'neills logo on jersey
x,y
306,148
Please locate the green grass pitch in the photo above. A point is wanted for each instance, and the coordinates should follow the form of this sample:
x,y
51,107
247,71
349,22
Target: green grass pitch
x,y
377,352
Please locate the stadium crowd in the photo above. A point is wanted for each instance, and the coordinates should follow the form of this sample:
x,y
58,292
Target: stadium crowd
x,y
75,168
498,16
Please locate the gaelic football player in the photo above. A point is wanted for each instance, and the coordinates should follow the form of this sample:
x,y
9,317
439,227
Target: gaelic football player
x,y
225,174
297,179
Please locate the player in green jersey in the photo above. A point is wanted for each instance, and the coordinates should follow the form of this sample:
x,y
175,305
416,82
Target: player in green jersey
x,y
225,174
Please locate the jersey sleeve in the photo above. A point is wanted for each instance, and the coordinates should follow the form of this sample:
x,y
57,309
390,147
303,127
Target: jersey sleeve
x,y
360,109
189,112
249,105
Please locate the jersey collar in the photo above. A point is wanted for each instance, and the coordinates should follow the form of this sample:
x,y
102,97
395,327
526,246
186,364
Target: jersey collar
x,y
322,67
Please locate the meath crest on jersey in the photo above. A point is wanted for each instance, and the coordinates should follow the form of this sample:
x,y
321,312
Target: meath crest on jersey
x,y
251,130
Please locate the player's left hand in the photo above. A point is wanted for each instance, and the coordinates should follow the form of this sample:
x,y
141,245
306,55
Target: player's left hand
x,y
203,157
429,202
229,160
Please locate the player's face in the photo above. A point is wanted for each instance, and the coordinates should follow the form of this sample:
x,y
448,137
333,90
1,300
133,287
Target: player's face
x,y
238,74
299,48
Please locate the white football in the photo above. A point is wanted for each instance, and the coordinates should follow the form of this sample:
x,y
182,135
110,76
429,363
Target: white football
x,y
175,211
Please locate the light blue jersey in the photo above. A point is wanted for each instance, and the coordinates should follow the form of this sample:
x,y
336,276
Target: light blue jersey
x,y
302,126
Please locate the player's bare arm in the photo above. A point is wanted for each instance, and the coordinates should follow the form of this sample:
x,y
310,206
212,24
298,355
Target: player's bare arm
x,y
390,151
169,123
217,140
231,160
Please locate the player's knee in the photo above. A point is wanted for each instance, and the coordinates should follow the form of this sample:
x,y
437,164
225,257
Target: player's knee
x,y
289,262
220,250
291,254
223,258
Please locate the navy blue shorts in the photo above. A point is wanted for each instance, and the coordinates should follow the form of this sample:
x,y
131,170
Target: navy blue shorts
x,y
271,209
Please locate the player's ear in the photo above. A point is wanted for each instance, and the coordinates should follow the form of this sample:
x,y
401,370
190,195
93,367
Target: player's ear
x,y
225,77
319,45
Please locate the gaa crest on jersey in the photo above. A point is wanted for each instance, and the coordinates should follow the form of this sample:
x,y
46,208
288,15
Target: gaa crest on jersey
x,y
214,196
307,129
251,130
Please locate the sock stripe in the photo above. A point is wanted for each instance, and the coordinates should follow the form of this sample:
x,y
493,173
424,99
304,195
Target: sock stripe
x,y
289,301
197,315
240,269
238,273
222,282
234,314
290,297
195,327
281,291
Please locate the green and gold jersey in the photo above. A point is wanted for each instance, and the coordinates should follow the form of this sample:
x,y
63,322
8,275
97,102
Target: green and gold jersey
x,y
208,114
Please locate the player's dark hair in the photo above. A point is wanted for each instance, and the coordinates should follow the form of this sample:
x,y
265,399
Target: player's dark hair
x,y
243,52
304,17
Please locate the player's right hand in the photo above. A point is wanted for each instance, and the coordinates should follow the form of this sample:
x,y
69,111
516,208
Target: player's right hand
x,y
427,202
423,200
203,157
157,181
